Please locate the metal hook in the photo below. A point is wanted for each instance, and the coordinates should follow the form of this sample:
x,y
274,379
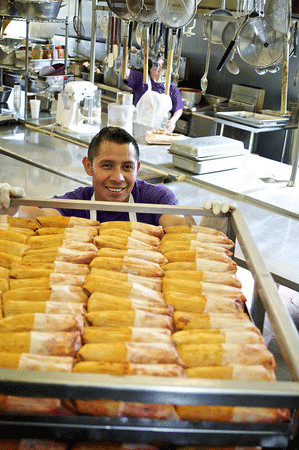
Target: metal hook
x,y
189,31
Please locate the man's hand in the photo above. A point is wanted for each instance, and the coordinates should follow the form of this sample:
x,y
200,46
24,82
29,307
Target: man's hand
x,y
217,207
6,192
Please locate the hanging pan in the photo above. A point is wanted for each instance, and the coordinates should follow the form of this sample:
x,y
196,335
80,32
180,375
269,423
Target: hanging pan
x,y
144,11
258,44
119,8
174,14
214,34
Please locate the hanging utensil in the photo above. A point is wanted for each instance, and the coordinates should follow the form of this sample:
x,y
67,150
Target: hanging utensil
x,y
120,9
138,33
143,11
145,40
125,57
236,36
204,79
77,22
174,14
178,57
166,39
160,45
108,39
295,37
115,38
227,35
110,75
261,71
231,65
170,60
258,44
110,55
278,16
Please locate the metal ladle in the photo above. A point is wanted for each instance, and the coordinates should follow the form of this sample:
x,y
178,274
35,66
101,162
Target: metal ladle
x,y
204,79
231,65
261,70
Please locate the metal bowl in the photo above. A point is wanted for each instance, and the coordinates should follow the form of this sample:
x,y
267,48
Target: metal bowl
x,y
190,97
5,92
38,9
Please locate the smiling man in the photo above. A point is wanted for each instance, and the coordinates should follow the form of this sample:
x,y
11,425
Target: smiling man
x,y
113,163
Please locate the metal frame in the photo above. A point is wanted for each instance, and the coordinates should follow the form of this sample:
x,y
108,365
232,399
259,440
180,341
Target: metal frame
x,y
281,394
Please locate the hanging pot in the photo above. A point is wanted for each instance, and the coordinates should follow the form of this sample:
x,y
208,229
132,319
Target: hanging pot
x,y
120,9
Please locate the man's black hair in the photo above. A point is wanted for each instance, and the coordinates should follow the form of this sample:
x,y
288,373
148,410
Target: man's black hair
x,y
111,134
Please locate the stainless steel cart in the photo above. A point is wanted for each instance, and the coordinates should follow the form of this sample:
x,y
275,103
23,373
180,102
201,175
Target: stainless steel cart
x,y
177,391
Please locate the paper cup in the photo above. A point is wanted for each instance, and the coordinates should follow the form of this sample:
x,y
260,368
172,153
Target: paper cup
x,y
34,108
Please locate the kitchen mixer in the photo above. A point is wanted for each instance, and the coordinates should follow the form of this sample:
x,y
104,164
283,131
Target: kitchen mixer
x,y
68,113
6,114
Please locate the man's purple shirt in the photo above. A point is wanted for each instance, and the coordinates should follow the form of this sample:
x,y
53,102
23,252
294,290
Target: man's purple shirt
x,y
142,192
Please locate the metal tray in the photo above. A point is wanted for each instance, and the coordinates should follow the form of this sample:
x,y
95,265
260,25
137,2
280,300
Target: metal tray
x,y
207,146
253,119
207,165
169,390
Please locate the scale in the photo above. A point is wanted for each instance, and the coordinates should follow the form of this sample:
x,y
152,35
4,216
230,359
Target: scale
x,y
6,114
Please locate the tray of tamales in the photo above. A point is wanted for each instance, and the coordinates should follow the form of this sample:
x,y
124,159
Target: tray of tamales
x,y
129,332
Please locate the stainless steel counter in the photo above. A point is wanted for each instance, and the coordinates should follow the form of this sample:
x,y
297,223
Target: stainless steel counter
x,y
45,165
37,182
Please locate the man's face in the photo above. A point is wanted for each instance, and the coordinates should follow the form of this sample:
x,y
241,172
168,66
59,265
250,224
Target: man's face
x,y
114,171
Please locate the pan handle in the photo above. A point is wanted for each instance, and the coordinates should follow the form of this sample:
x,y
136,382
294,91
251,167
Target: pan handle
x,y
233,41
226,55
125,49
170,60
295,39
145,32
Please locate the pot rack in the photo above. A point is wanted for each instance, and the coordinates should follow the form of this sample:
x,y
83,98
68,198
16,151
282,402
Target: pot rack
x,y
168,390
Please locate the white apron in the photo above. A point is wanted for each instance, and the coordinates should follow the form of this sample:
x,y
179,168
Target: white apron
x,y
132,215
153,108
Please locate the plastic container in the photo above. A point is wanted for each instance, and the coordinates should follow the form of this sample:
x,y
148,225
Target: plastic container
x,y
17,96
121,116
47,52
97,106
59,52
124,98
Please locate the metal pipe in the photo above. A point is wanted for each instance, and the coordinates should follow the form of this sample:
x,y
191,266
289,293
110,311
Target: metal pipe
x,y
295,155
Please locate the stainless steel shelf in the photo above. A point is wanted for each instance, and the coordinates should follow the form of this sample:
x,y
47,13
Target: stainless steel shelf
x,y
32,19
